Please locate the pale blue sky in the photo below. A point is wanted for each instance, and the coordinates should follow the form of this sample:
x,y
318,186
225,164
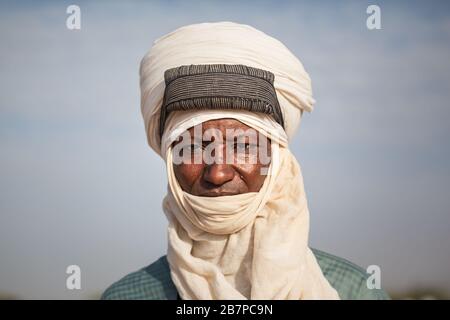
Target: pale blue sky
x,y
79,185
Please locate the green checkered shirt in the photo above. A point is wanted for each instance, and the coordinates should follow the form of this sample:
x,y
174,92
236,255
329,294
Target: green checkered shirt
x,y
154,282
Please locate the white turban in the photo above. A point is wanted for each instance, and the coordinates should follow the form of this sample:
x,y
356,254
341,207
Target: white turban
x,y
223,43
246,246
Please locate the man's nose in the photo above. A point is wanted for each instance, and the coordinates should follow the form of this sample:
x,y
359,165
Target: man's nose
x,y
218,174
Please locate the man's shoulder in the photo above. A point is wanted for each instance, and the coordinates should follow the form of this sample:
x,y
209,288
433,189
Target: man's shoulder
x,y
150,283
347,278
154,282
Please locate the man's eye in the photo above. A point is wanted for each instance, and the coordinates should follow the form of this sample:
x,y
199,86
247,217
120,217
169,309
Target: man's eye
x,y
244,146
194,147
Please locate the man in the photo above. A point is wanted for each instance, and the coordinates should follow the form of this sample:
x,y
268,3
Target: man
x,y
220,103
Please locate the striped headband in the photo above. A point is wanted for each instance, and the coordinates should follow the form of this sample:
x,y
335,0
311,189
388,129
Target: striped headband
x,y
219,86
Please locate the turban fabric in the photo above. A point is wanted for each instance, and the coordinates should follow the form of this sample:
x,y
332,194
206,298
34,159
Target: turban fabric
x,y
252,245
223,43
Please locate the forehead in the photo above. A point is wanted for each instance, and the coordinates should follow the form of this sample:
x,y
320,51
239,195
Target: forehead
x,y
228,128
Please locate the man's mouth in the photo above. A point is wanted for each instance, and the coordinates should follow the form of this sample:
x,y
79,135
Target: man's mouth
x,y
218,193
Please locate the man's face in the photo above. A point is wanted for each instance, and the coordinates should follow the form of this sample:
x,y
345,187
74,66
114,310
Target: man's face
x,y
240,160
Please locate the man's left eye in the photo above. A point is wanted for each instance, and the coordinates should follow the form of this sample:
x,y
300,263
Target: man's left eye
x,y
244,146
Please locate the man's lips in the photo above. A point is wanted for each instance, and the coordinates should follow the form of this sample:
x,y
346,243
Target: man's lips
x,y
217,193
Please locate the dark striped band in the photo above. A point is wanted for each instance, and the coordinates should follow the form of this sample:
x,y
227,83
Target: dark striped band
x,y
219,86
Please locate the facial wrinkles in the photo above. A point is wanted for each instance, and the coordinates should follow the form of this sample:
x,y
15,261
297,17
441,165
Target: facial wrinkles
x,y
220,178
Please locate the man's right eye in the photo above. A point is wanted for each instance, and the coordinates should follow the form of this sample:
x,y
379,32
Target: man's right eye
x,y
194,147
